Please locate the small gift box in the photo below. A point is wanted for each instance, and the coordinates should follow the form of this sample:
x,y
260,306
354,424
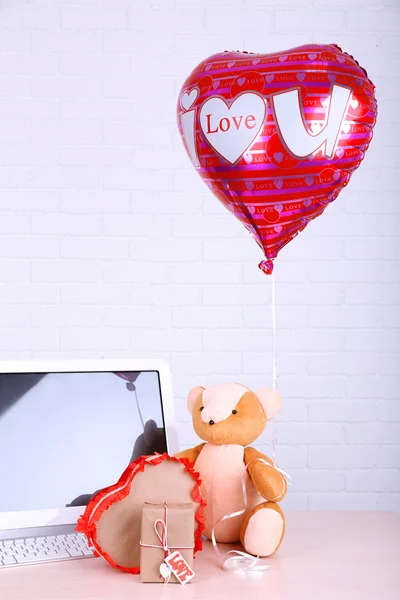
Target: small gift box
x,y
167,542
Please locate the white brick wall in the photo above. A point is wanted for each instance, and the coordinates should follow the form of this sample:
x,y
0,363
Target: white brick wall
x,y
110,245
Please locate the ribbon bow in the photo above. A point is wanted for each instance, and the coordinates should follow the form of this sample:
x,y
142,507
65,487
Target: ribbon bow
x,y
163,539
161,531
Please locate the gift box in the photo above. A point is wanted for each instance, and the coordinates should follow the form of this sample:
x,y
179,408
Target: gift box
x,y
166,530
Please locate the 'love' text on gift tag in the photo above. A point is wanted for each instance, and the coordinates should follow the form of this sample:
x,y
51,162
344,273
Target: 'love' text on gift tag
x,y
179,567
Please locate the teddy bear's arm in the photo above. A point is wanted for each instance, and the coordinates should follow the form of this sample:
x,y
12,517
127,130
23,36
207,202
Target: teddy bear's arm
x,y
266,479
191,453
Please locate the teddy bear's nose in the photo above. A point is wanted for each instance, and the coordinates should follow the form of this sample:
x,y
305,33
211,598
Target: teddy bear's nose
x,y
211,422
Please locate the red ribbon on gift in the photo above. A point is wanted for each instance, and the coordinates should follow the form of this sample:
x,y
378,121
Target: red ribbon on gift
x,y
162,536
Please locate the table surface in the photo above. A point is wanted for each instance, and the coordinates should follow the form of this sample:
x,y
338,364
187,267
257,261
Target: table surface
x,y
327,555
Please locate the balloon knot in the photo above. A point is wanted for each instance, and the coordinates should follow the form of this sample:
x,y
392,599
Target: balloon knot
x,y
267,266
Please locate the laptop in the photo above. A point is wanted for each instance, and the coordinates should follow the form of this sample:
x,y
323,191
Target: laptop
x,y
67,430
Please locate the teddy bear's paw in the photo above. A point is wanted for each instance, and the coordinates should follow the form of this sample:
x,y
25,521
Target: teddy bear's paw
x,y
263,529
269,482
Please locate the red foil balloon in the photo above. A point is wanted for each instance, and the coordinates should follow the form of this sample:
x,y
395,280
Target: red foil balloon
x,y
277,136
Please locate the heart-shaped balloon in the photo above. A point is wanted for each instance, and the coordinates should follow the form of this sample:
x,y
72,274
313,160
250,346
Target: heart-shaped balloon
x,y
277,136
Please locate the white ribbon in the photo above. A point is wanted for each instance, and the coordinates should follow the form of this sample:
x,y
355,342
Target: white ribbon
x,y
242,561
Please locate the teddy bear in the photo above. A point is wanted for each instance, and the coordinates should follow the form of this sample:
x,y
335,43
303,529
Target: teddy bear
x,y
229,417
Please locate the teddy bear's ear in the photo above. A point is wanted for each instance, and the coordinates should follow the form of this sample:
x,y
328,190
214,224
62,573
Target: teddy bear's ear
x,y
271,402
193,395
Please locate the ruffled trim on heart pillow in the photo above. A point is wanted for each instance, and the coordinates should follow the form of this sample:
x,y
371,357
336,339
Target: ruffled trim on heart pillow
x,y
87,523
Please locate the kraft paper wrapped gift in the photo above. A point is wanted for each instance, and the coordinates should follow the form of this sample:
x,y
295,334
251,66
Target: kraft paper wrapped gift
x,y
179,534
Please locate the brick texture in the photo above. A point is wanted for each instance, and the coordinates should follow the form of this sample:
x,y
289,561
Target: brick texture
x,y
110,245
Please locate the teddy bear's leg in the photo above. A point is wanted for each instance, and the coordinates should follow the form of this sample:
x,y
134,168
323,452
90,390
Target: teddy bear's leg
x,y
263,529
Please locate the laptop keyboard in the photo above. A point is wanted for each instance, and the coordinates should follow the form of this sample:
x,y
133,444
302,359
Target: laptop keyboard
x,y
25,551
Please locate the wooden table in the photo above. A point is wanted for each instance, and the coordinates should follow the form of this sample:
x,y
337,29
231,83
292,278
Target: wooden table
x,y
325,556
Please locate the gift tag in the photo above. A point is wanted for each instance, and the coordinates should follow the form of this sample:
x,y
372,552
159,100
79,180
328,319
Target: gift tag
x,y
165,571
179,567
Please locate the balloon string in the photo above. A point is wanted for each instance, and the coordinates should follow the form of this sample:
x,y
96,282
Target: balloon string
x,y
274,370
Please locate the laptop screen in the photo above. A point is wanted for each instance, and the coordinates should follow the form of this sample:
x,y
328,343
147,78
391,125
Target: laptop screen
x,y
64,436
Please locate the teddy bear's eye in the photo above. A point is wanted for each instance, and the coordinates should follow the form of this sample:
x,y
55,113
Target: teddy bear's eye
x,y
234,412
201,407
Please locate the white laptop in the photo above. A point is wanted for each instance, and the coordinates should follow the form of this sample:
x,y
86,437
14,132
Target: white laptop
x,y
67,430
